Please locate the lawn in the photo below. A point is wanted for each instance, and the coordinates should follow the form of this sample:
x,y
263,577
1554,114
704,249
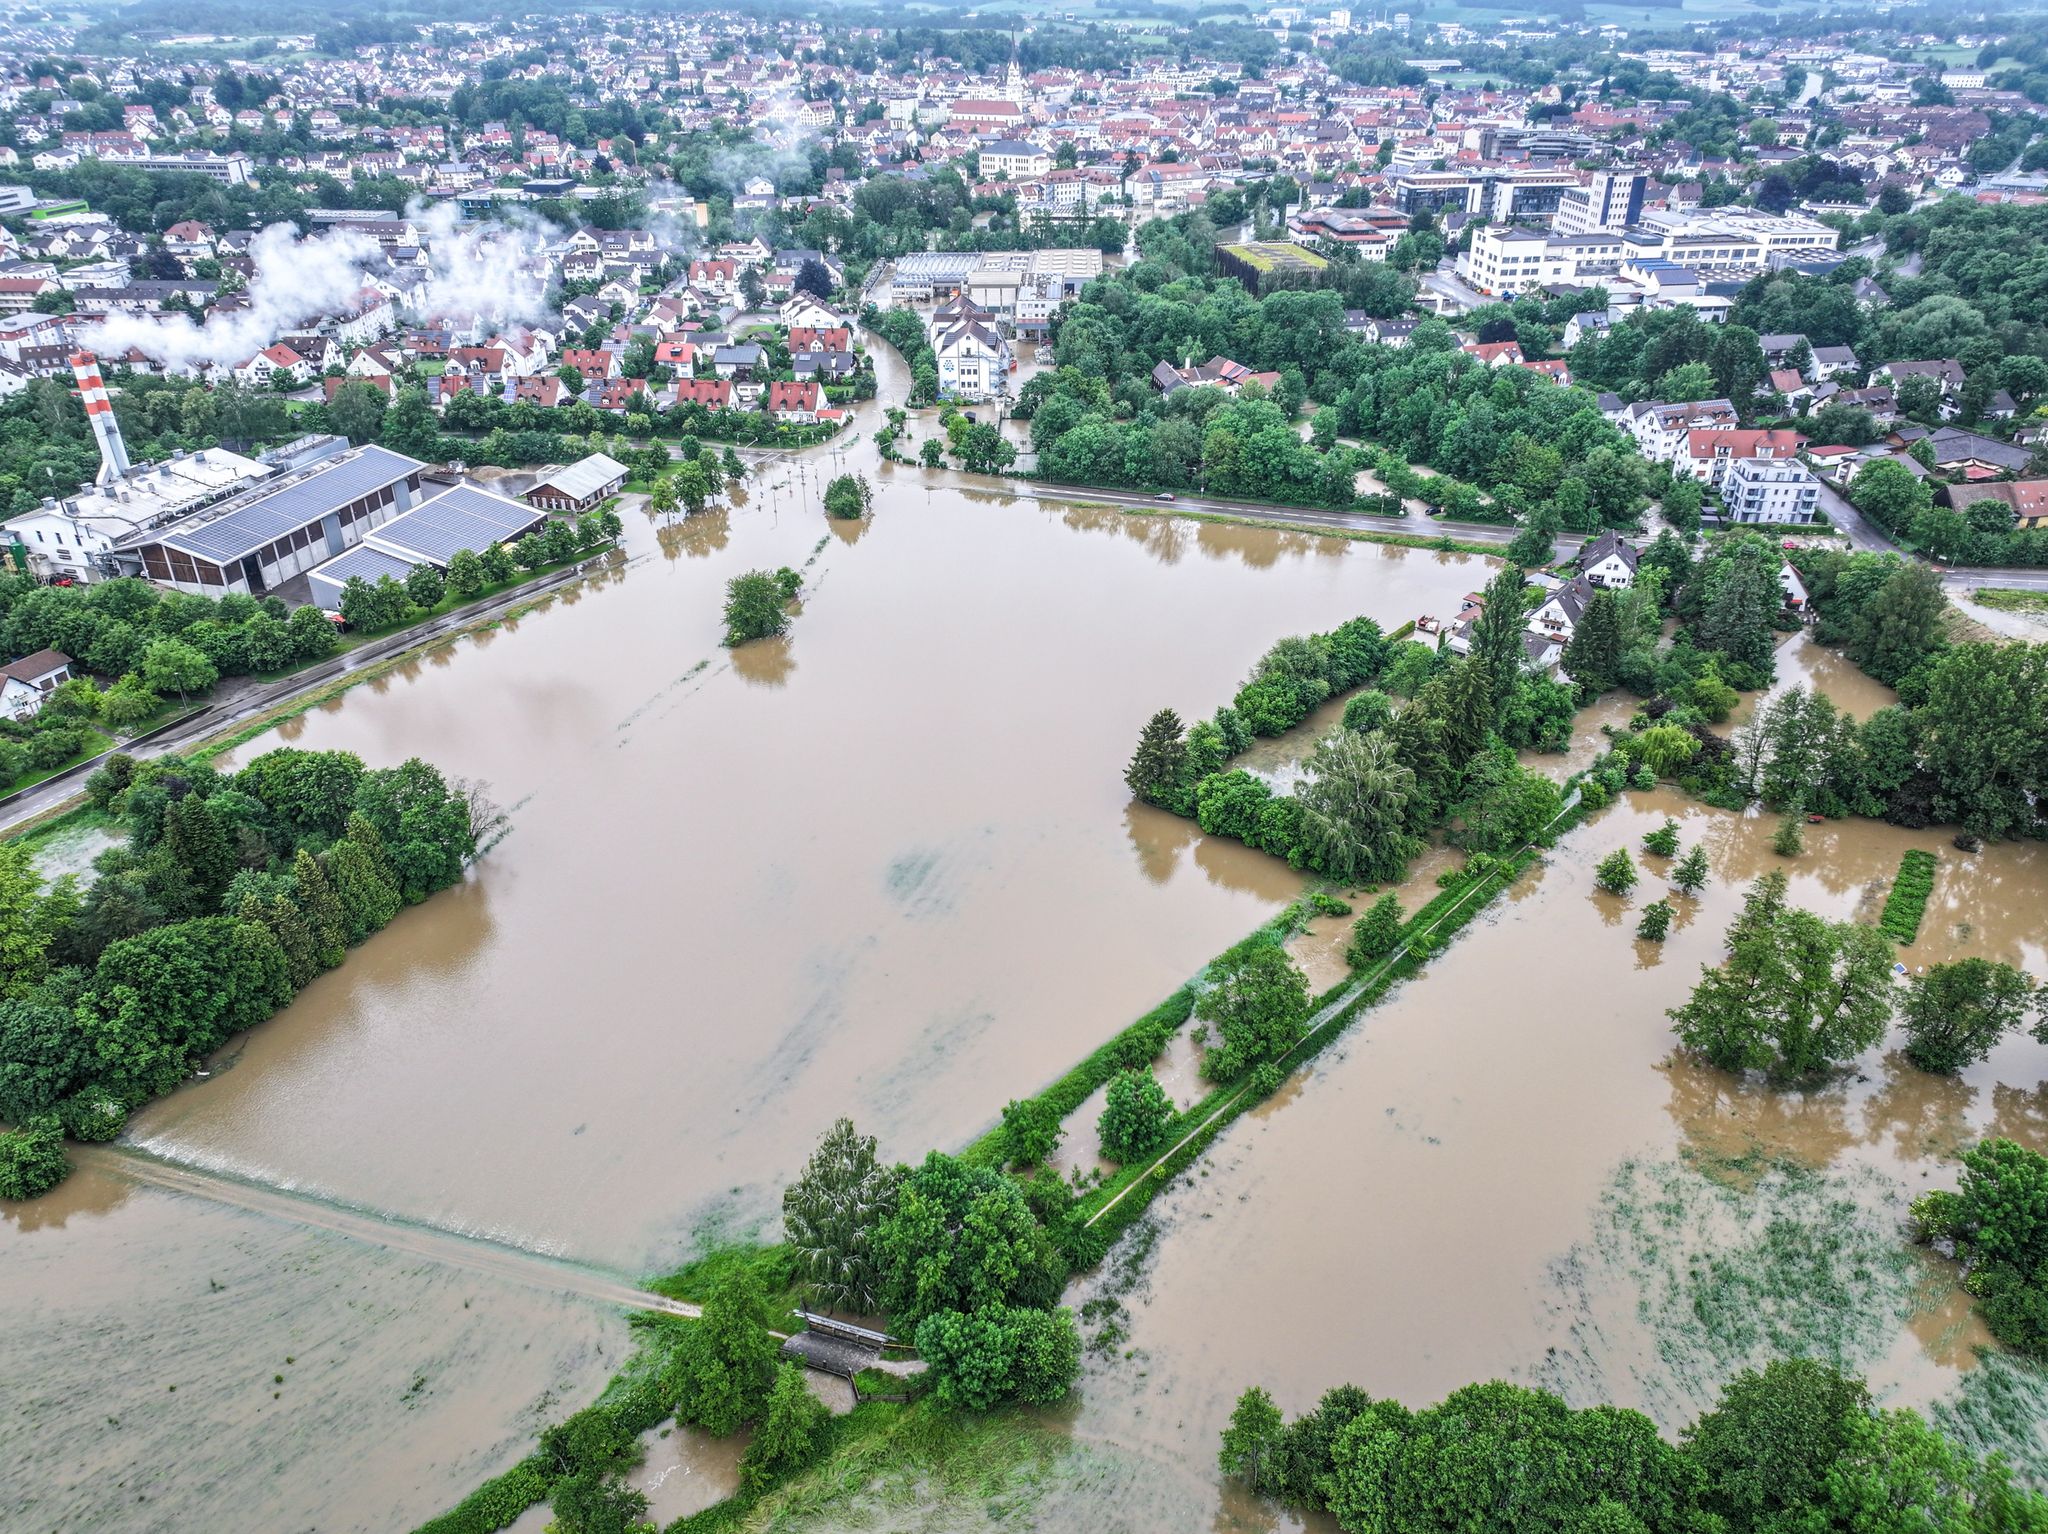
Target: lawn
x,y
2009,601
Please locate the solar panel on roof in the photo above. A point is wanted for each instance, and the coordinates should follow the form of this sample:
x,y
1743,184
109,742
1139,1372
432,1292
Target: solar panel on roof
x,y
270,515
367,562
462,517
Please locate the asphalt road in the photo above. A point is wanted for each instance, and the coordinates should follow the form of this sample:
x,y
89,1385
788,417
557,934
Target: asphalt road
x,y
1415,526
252,701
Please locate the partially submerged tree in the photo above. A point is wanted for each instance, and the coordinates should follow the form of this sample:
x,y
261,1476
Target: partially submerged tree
x,y
830,1216
1797,995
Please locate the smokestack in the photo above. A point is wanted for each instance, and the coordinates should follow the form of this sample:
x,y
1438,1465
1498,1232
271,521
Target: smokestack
x,y
105,429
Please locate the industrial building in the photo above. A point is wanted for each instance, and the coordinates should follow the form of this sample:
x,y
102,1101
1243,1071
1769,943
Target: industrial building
x,y
260,539
432,533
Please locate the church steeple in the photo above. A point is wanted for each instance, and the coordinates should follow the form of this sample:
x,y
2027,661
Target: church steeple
x,y
1013,77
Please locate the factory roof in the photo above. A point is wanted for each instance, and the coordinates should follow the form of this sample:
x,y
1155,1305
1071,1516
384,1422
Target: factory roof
x,y
461,517
242,526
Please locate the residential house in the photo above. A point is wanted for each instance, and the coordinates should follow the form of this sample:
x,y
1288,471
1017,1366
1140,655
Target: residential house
x,y
1708,455
1610,562
972,356
794,403
25,683
2025,499
1768,489
1660,430
1216,373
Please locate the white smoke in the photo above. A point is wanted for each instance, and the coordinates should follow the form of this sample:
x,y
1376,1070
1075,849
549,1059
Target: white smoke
x,y
296,282
481,275
494,274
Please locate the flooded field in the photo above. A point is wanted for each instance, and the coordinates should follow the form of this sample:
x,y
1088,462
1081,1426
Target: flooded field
x,y
883,867
1505,1172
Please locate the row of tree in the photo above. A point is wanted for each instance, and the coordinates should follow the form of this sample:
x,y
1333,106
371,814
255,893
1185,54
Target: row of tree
x,y
1796,1445
230,894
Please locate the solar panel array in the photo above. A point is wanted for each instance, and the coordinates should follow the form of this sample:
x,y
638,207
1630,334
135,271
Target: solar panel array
x,y
270,514
462,517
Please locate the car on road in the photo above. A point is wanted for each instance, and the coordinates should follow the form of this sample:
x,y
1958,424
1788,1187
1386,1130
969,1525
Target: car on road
x,y
1164,495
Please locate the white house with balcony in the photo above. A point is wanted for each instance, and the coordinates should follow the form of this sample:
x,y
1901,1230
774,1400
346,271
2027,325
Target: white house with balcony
x,y
1770,490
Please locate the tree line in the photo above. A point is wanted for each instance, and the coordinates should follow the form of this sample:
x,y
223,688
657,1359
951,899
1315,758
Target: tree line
x,y
1795,1445
1443,755
230,894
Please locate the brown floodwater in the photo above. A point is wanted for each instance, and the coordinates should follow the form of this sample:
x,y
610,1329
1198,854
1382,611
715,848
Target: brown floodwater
x,y
883,867
1504,1172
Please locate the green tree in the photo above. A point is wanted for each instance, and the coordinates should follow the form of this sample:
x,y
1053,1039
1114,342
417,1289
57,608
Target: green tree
x,y
1375,934
1691,873
27,927
590,1501
1790,838
32,1159
364,894
1535,544
1765,1451
1497,634
1134,1117
1593,658
792,1433
1254,1443
849,496
1954,1013
1656,922
725,1367
1797,994
1901,625
755,607
1890,494
1158,765
424,586
1663,841
962,1238
316,899
1257,1005
1738,596
1355,808
999,1352
1031,1130
171,665
830,1217
1616,873
465,575
357,411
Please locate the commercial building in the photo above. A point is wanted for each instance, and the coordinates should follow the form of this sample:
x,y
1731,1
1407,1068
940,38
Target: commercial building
x,y
1611,202
261,538
1723,245
432,533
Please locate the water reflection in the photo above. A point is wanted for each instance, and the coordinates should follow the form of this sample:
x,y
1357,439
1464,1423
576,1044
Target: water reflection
x,y
765,662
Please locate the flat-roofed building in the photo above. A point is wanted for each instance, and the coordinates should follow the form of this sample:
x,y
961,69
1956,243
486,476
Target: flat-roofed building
x,y
463,516
260,539
74,538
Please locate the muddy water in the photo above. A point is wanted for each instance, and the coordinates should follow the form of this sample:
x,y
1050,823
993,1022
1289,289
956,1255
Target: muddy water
x,y
1459,1191
1804,661
884,867
144,1332
817,876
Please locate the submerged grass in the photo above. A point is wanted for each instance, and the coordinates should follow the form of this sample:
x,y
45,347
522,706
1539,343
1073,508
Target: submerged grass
x,y
2001,1407
1697,1270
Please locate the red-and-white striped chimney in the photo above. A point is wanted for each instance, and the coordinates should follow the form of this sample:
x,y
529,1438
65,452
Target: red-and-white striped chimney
x,y
105,429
